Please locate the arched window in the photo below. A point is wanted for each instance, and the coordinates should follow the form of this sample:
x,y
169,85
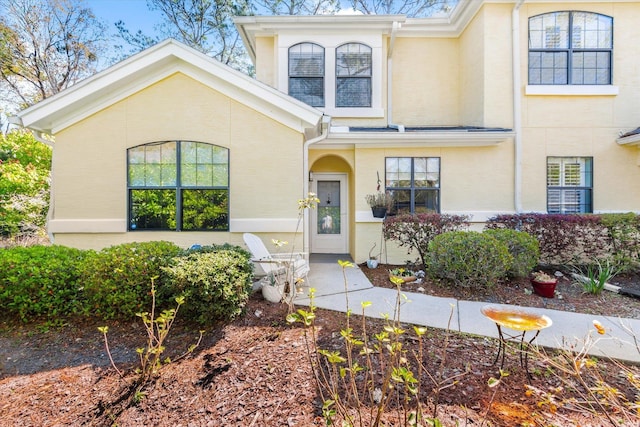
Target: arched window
x,y
178,185
570,48
353,75
306,73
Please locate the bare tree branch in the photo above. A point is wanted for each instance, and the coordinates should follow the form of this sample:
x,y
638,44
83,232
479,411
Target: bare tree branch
x,y
46,46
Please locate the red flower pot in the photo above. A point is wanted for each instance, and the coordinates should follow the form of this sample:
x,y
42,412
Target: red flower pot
x,y
544,289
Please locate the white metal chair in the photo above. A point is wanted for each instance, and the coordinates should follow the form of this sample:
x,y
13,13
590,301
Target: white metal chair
x,y
281,266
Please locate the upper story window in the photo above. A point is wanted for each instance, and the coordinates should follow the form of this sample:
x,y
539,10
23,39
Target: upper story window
x,y
178,185
570,48
414,183
353,75
569,185
306,73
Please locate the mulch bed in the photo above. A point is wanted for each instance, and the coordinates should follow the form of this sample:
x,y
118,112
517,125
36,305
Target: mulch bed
x,y
255,371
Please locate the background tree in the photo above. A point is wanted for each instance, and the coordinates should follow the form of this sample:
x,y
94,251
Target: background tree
x,y
411,8
47,45
24,184
206,25
296,7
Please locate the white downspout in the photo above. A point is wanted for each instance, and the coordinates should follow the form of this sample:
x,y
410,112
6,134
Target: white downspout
x,y
390,124
517,105
325,125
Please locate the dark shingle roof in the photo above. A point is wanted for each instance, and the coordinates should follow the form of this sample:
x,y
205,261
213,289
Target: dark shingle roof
x,y
429,129
636,131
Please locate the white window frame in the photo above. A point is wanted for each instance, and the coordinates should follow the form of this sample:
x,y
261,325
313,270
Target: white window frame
x,y
330,43
570,88
565,186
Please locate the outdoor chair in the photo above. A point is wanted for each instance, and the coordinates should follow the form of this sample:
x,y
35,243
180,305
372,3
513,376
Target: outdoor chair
x,y
279,266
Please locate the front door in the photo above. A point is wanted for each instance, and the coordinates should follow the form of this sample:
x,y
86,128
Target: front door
x,y
329,224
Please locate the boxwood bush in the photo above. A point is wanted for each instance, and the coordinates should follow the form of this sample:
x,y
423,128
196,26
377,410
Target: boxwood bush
x,y
41,281
216,282
117,279
523,248
468,259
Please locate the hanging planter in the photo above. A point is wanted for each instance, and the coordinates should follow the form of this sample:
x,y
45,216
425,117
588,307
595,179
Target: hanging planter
x,y
379,203
379,212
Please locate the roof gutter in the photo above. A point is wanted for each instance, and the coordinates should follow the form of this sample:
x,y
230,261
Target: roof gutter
x,y
325,124
517,105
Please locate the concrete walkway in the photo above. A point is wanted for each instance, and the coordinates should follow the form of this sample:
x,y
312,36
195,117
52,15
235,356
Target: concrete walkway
x,y
569,330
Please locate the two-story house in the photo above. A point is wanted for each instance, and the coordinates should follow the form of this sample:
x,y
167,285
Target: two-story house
x,y
502,106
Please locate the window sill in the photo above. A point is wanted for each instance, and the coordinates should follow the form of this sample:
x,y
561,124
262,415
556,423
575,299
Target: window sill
x,y
572,90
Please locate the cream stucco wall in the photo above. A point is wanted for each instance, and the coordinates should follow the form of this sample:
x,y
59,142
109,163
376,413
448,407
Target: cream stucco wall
x,y
266,60
578,125
426,70
472,71
89,167
498,76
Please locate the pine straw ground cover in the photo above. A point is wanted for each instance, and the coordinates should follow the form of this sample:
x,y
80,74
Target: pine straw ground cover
x,y
255,371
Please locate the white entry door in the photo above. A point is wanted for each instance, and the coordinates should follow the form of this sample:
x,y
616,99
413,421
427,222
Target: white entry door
x,y
329,221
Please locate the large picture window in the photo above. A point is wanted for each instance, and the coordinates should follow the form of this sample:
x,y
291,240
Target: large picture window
x,y
570,48
569,185
414,183
353,75
178,185
306,73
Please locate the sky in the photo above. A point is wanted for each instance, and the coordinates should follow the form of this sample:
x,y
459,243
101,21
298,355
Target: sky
x,y
134,13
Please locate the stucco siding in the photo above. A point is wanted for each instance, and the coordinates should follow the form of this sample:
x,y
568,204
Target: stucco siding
x,y
586,126
498,100
426,87
265,166
266,60
472,72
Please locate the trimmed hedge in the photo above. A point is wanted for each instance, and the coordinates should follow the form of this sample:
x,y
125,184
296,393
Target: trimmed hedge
x,y
564,239
624,235
117,279
41,281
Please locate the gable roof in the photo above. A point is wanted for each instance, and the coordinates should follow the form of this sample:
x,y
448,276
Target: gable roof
x,y
450,25
152,65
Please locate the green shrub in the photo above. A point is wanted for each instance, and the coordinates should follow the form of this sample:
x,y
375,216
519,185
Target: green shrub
x,y
41,281
523,248
415,231
118,279
468,259
216,283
